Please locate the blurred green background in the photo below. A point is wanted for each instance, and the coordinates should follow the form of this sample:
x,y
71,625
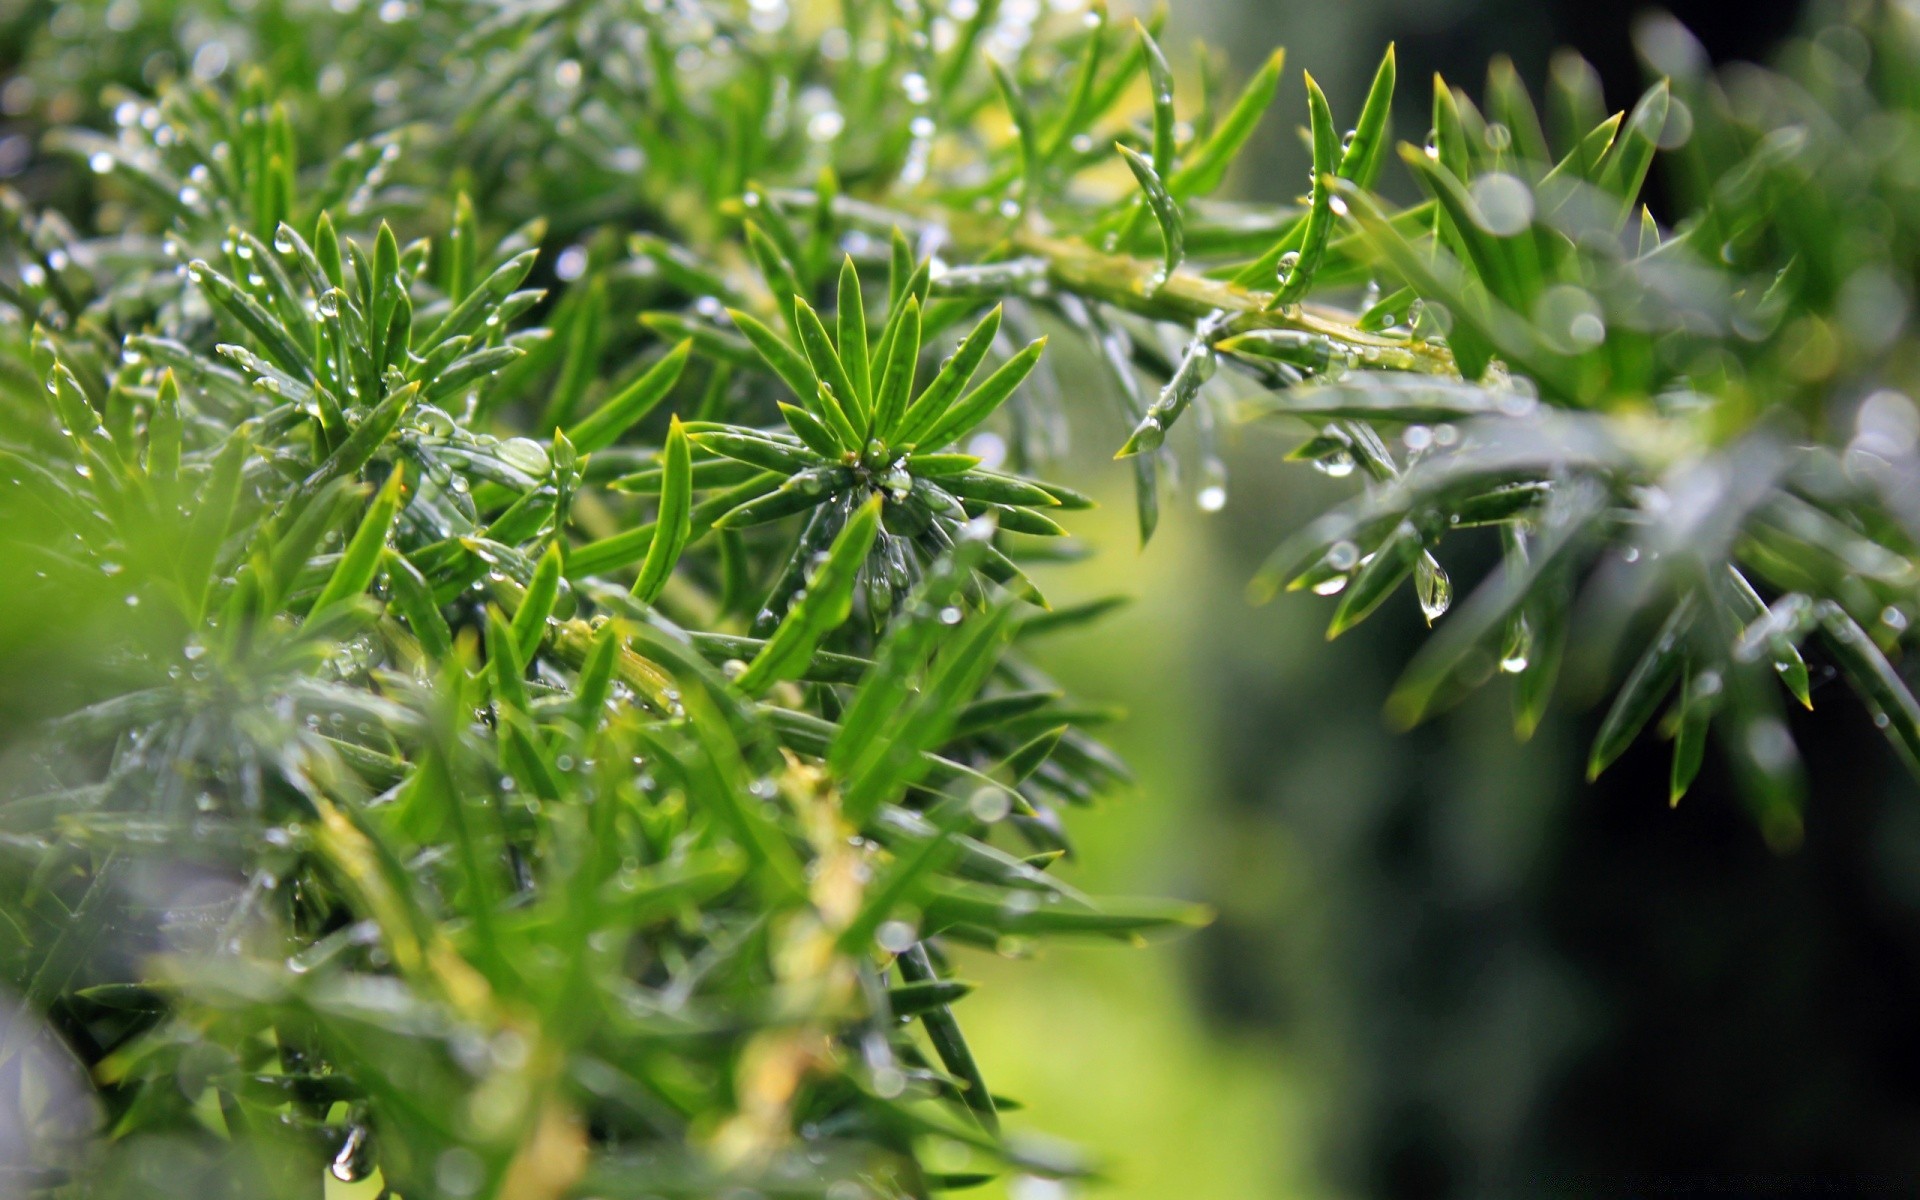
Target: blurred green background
x,y
1445,965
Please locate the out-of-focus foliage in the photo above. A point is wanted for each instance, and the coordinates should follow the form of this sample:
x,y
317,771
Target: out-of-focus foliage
x,y
521,511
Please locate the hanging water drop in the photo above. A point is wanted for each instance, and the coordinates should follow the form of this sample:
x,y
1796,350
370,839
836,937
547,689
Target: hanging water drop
x,y
1435,590
1336,463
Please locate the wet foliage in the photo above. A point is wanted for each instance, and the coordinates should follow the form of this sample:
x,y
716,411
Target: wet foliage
x,y
519,521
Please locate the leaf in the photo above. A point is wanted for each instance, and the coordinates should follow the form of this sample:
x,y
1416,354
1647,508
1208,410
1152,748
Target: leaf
x,y
1451,146
774,268
1894,709
469,369
1160,88
957,903
903,652
900,882
505,667
996,488
898,759
758,449
785,361
267,331
896,381
908,1000
414,598
1574,99
826,605
536,607
836,400
852,346
1786,659
1699,693
1079,109
1319,228
977,405
1509,104
1647,684
366,439
809,488
1431,680
164,429
1195,368
1367,150
461,261
1389,566
944,1032
1033,754
1469,227
674,525
628,406
1206,166
1024,129
614,552
200,546
1166,210
1627,161
954,375
808,429
776,865
467,315
361,561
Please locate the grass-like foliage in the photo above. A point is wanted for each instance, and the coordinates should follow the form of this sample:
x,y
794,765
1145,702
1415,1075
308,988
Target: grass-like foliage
x,y
513,519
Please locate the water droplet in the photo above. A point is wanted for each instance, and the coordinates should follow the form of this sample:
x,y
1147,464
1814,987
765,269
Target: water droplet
x,y
1513,659
350,1162
525,455
1212,498
1335,464
101,162
1288,263
1434,588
